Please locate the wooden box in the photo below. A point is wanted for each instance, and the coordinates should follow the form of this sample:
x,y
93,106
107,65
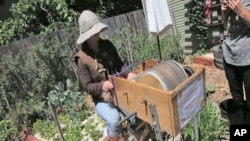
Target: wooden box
x,y
175,108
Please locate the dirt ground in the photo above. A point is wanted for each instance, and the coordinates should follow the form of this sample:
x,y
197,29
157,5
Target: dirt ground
x,y
216,77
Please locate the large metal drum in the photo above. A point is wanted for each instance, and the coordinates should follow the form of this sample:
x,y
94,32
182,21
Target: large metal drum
x,y
165,76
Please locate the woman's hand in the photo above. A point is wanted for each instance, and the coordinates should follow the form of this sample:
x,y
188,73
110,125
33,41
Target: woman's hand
x,y
224,12
106,96
236,5
107,86
224,5
131,75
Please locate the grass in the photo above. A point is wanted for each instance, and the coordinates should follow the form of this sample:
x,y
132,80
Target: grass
x,y
212,127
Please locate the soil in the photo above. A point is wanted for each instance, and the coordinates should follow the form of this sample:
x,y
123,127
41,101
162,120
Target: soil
x,y
213,76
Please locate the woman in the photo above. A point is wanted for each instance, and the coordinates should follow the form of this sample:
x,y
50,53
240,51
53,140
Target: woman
x,y
236,51
95,60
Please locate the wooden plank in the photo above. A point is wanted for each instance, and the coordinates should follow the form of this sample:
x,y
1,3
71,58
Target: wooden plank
x,y
135,97
130,96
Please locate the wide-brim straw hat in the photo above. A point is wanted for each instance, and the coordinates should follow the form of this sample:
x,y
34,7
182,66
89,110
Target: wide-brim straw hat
x,y
89,25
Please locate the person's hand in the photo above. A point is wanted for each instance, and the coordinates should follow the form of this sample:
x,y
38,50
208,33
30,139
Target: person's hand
x,y
106,96
224,12
131,75
107,86
236,5
224,5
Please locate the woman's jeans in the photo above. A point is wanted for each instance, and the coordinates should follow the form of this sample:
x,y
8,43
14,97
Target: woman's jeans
x,y
239,83
112,117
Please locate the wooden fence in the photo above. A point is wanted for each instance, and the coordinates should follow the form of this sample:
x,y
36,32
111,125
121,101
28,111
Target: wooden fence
x,y
134,21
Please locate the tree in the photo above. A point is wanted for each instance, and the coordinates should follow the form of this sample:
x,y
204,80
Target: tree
x,y
34,17
2,2
116,7
80,5
106,8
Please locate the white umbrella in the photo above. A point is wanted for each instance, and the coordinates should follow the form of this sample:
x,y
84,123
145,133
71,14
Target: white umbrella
x,y
158,17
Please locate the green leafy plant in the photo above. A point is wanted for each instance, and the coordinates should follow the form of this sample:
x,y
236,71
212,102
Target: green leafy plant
x,y
197,23
68,98
35,17
136,47
8,131
91,129
28,74
19,98
73,133
208,130
210,89
71,127
46,128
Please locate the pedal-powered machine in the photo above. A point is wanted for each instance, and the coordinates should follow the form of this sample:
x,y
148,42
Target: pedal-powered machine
x,y
166,95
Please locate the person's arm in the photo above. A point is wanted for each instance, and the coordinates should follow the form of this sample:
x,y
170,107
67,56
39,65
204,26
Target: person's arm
x,y
117,65
241,10
94,89
128,73
224,10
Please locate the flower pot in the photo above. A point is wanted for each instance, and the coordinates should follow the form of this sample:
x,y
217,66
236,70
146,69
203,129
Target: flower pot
x,y
218,56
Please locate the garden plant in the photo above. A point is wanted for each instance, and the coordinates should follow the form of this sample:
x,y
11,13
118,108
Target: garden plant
x,y
33,74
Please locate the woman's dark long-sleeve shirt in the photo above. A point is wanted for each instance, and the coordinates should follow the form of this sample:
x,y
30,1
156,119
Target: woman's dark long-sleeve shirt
x,y
94,68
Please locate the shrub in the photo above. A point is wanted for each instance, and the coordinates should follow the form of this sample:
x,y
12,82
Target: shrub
x,y
211,125
136,47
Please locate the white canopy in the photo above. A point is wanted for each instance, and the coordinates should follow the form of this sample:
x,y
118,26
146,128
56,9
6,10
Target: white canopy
x,y
157,15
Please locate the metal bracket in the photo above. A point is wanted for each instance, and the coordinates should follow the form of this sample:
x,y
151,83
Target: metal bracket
x,y
196,128
156,124
127,117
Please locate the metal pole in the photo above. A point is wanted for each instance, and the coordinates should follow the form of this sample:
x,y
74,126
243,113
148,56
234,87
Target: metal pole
x,y
176,42
196,128
159,48
56,121
156,123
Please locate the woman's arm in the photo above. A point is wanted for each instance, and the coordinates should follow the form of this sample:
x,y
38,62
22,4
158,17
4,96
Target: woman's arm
x,y
241,10
94,89
224,10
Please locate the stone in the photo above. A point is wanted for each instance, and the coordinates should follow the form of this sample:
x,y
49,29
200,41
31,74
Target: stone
x,y
205,60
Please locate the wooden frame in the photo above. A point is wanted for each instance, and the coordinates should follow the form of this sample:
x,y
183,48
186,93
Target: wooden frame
x,y
173,112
